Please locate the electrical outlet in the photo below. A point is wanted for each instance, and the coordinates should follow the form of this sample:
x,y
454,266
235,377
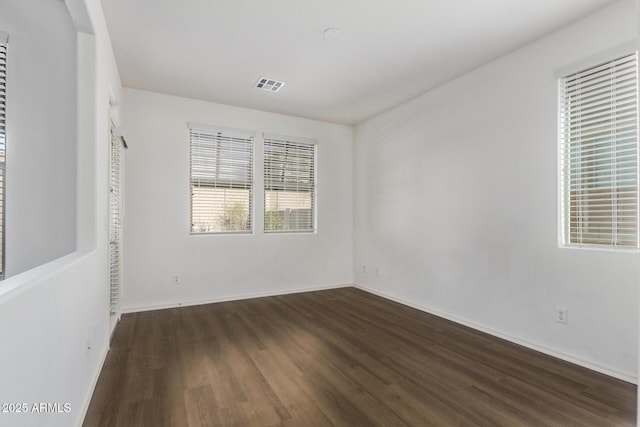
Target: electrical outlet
x,y
88,343
562,315
377,272
175,280
364,268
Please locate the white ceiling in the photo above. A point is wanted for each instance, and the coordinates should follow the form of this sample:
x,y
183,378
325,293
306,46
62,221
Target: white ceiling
x,y
388,51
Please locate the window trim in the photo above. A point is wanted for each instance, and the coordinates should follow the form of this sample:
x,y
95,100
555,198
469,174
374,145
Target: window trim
x,y
622,49
610,55
222,129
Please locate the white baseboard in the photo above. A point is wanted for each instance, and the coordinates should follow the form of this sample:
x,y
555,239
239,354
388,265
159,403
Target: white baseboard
x,y
625,376
239,297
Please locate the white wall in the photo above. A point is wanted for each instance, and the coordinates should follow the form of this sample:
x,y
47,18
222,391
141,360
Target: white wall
x,y
157,243
50,314
456,200
41,133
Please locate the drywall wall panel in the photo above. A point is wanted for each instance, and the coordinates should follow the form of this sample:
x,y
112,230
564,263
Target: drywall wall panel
x,y
41,133
157,240
54,318
456,206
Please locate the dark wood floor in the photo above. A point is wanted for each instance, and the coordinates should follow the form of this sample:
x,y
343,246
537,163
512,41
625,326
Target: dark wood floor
x,y
339,357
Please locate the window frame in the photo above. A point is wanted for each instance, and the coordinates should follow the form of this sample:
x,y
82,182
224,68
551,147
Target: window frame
x,y
564,177
205,128
293,141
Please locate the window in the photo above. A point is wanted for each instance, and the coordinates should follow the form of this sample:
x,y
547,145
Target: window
x,y
599,155
221,169
116,172
4,38
289,185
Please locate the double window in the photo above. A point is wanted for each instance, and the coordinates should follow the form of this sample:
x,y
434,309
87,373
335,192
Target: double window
x,y
221,178
599,155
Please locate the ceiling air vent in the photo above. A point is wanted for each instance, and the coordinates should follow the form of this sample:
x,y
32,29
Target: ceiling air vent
x,y
269,84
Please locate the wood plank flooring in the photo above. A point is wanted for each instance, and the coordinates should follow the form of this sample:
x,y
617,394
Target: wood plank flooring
x,y
337,358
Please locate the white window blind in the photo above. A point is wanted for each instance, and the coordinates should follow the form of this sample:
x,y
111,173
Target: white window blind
x,y
221,180
3,98
599,155
115,222
289,185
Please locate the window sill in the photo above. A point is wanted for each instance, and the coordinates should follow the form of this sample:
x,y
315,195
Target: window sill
x,y
596,248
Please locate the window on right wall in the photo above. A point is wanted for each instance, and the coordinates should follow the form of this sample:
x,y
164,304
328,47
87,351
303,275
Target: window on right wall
x,y
289,185
598,124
